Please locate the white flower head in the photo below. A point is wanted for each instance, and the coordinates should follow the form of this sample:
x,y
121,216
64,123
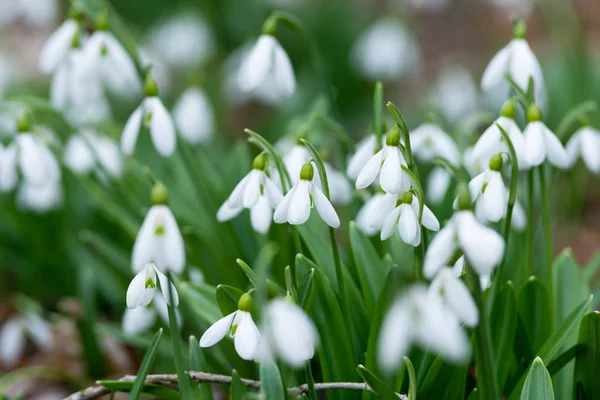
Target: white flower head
x,y
585,142
58,45
541,144
386,51
364,218
438,183
429,141
140,319
142,289
240,325
14,333
40,198
418,317
455,295
455,93
289,333
256,192
387,164
364,151
194,116
297,203
267,64
90,151
159,242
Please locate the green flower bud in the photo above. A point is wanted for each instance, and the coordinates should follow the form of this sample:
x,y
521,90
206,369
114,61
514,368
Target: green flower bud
x,y
464,197
307,172
245,303
393,137
407,198
260,162
24,122
150,87
159,194
270,27
76,41
534,113
102,20
519,29
496,162
509,109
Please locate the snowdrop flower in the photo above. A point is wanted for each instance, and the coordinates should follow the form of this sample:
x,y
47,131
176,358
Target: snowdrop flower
x,y
58,46
240,326
585,143
438,183
492,142
540,143
519,62
459,267
455,93
404,217
385,51
289,333
295,206
256,192
387,164
140,319
364,151
159,240
183,41
194,116
40,198
482,246
418,317
89,151
488,192
340,189
143,287
37,13
14,333
267,64
455,296
153,115
429,141
364,217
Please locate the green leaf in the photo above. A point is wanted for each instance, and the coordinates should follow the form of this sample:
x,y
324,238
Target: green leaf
x,y
197,362
504,320
228,298
237,388
306,288
587,364
591,270
271,385
437,380
148,389
147,362
412,379
534,308
538,384
201,301
573,115
248,271
474,395
380,388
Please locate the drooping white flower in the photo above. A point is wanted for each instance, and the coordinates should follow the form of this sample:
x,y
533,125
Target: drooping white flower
x,y
153,115
297,203
90,151
482,246
194,116
142,289
455,296
387,164
267,64
140,319
289,333
585,143
340,189
36,13
438,183
386,51
455,93
418,317
58,45
364,217
14,333
240,325
540,143
159,242
364,151
40,198
488,192
256,192
429,141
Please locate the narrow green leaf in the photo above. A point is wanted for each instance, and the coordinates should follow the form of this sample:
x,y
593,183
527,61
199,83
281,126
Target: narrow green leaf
x,y
587,364
237,388
533,305
271,385
197,362
147,362
148,389
412,379
437,381
228,298
380,388
538,384
306,288
591,270
474,395
247,270
504,320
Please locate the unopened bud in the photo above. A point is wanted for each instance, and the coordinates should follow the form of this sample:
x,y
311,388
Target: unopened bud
x,y
159,194
24,122
393,137
509,109
150,86
245,303
307,172
407,198
270,27
496,162
534,113
260,162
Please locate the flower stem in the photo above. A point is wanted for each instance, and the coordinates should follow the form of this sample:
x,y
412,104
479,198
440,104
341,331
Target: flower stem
x,y
310,380
377,117
530,228
547,230
484,353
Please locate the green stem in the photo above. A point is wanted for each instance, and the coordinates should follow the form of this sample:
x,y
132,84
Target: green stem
x,y
484,353
547,231
377,114
310,380
530,228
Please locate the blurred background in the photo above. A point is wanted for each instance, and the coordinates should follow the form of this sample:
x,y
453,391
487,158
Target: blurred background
x,y
66,266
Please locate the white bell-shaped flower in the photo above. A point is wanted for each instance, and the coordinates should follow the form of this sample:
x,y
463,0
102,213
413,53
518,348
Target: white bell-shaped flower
x,y
14,334
90,151
143,287
438,183
418,317
488,192
403,217
289,333
364,217
40,198
364,151
429,141
482,246
297,203
585,143
267,64
455,295
153,115
541,144
194,116
256,192
159,241
387,164
240,325
140,319
455,93
386,51
58,45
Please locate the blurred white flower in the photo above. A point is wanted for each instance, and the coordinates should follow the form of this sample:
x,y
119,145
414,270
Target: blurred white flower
x,y
482,245
455,296
365,149
455,93
194,116
492,142
295,206
385,51
289,333
488,192
159,241
58,46
14,333
418,317
142,289
40,198
140,319
90,151
267,64
183,41
458,270
294,157
160,71
153,115
36,13
364,217
540,143
438,182
585,143
429,141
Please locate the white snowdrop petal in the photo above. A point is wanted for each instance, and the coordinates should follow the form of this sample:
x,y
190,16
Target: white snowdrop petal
x,y
256,66
194,116
325,209
370,171
438,182
138,320
247,337
590,149
390,223
281,212
494,72
428,219
519,218
8,168
272,192
252,188
138,295
494,199
173,241
168,289
391,172
236,198
299,210
364,151
283,71
482,245
31,160
109,156
440,250
12,342
460,301
488,143
535,146
574,148
217,331
57,46
407,224
261,215
162,129
524,64
556,153
145,242
79,156
394,337
132,130
225,212
382,207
